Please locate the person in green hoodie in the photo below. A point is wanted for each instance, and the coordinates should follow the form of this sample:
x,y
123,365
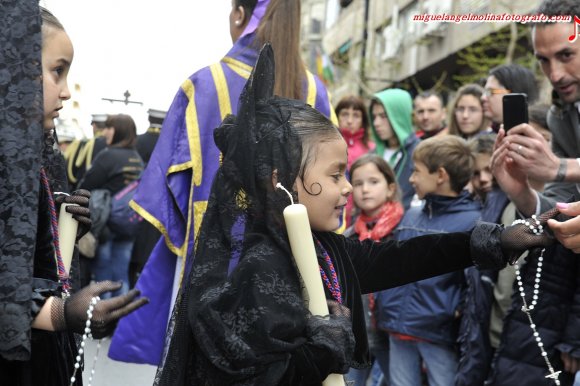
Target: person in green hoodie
x,y
392,129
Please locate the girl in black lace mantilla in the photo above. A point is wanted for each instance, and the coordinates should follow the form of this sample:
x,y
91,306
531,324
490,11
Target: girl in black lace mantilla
x,y
240,318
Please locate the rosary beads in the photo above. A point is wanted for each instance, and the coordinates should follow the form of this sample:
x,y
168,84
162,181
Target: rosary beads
x,y
537,229
533,224
87,334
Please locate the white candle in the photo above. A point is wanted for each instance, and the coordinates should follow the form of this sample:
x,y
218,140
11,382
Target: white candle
x,y
67,234
302,245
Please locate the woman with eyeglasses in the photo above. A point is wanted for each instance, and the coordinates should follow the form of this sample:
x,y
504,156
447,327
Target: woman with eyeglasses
x,y
505,79
466,118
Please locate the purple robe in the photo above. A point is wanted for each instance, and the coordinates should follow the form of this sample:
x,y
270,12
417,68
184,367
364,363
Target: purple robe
x,y
175,186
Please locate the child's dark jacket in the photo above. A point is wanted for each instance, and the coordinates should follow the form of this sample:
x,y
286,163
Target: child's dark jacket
x,y
426,309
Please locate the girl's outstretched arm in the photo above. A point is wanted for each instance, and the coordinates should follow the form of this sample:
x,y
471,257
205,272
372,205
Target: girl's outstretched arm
x,y
393,263
382,265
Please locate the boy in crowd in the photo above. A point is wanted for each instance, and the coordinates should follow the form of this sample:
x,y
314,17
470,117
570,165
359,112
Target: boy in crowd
x,y
422,317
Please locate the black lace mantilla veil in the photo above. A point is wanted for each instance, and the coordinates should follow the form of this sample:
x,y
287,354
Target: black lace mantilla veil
x,y
20,146
240,317
24,148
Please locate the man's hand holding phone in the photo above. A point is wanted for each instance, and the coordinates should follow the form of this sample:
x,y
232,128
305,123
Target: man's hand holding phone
x,y
520,154
528,149
531,153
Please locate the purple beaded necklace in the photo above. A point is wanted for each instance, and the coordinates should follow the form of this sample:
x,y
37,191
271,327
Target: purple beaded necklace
x,y
333,287
62,275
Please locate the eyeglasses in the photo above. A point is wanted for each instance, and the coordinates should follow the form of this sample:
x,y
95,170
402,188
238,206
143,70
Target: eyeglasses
x,y
495,91
469,109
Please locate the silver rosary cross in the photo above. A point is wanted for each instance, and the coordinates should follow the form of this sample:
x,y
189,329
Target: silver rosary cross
x,y
554,375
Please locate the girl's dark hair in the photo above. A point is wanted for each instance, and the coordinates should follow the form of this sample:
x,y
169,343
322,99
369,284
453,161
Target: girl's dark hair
x,y
381,164
281,27
356,103
517,79
313,129
468,89
125,130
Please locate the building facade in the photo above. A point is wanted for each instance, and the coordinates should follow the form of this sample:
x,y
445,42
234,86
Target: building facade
x,y
375,44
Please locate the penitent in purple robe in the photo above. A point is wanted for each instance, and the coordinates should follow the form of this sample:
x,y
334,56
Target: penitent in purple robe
x,y
174,190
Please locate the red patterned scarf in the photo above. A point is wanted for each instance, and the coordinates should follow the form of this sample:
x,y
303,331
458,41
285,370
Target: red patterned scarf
x,y
387,219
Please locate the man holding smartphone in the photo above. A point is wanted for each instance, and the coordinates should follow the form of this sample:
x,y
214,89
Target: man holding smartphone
x,y
523,153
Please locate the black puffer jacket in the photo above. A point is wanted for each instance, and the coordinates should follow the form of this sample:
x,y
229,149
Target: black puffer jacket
x,y
518,360
473,339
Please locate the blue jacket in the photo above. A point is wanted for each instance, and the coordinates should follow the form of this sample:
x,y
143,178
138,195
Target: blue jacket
x,y
426,309
494,205
475,351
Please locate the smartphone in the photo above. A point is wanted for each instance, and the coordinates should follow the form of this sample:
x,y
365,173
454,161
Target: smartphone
x,y
515,110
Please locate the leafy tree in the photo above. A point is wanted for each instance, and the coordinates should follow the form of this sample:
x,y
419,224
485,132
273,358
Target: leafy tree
x,y
511,44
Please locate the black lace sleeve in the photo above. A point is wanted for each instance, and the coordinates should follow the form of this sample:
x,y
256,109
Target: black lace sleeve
x,y
42,289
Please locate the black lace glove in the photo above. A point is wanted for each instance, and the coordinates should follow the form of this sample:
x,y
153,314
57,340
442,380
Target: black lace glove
x,y
337,309
493,246
71,313
81,213
329,347
527,234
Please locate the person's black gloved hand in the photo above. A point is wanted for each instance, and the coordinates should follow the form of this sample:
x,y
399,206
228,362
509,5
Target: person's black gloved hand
x,y
337,309
71,313
81,213
330,344
517,238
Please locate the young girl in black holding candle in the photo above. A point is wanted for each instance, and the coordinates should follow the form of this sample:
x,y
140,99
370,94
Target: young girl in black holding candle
x,y
240,318
40,311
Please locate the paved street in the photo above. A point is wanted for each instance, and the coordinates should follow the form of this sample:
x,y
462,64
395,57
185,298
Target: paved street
x,y
112,373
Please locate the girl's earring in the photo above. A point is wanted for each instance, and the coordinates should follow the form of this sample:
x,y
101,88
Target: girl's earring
x,y
238,22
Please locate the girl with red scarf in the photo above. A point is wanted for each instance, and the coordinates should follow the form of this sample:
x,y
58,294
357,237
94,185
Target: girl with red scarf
x,y
376,195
